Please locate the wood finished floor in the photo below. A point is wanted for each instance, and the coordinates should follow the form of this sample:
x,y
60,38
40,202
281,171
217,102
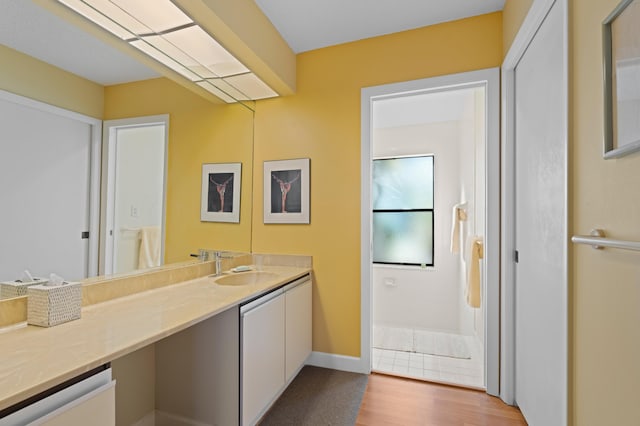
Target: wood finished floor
x,y
392,400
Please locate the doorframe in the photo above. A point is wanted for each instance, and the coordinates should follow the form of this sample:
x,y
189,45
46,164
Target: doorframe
x,y
108,183
95,139
490,78
532,23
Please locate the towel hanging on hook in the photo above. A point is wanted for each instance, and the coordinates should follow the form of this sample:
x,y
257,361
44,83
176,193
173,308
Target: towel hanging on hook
x,y
472,289
459,215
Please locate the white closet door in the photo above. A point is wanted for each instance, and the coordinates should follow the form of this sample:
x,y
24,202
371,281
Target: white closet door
x,y
44,193
541,227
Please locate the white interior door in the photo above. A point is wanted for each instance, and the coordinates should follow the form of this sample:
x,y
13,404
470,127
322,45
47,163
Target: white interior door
x,y
45,182
541,225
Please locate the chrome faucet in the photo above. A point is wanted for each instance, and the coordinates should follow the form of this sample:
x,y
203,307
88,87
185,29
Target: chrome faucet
x,y
219,255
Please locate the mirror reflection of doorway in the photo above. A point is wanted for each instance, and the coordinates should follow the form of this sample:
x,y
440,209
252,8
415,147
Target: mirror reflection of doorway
x,y
49,186
135,194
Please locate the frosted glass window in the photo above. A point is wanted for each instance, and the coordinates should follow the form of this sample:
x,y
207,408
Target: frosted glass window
x,y
403,210
403,183
403,238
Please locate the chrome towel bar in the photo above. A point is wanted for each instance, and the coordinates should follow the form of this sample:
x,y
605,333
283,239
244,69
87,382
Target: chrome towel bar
x,y
598,240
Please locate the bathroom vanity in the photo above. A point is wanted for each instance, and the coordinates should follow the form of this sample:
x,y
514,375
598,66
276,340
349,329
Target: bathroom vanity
x,y
195,329
275,342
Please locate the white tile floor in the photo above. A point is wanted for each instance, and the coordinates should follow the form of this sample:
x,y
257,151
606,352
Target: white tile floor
x,y
463,372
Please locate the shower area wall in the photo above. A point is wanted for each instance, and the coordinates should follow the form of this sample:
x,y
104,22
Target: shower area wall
x,y
422,324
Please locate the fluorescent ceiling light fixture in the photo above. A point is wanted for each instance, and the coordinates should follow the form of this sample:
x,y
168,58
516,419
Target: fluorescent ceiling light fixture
x,y
250,85
213,89
162,31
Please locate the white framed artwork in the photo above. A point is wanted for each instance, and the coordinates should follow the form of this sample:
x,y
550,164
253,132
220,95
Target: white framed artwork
x,y
286,191
220,198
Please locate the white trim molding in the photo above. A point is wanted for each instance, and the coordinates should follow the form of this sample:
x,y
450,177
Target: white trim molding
x,y
337,362
490,79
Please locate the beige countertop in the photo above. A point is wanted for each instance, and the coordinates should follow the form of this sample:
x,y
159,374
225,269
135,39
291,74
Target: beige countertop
x,y
33,359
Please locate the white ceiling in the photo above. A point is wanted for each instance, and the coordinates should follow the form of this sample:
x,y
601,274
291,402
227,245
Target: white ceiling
x,y
304,24
312,24
424,108
31,29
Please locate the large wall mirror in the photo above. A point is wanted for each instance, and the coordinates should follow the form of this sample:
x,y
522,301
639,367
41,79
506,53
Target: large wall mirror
x,y
49,162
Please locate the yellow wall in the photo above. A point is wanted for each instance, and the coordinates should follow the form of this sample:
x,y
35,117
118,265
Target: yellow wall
x,y
199,132
513,15
25,76
322,122
605,287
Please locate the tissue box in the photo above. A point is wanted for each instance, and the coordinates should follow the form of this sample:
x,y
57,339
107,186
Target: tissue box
x,y
52,305
18,288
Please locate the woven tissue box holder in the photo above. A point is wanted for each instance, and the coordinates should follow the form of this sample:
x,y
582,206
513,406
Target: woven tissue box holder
x,y
18,288
52,305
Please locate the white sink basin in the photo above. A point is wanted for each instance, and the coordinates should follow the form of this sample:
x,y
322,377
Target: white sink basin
x,y
244,278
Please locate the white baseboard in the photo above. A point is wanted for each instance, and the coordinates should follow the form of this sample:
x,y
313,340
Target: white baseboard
x,y
148,420
339,362
167,419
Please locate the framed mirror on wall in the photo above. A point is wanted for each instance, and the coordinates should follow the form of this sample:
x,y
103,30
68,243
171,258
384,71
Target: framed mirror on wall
x,y
621,54
52,162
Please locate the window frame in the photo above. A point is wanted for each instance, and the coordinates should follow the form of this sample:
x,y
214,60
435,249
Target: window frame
x,y
431,210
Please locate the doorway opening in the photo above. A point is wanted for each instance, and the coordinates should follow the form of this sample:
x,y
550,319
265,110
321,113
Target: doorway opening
x,y
429,240
134,196
426,155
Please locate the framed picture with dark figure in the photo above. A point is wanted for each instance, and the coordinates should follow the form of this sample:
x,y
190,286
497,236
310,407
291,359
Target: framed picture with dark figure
x,y
220,199
286,191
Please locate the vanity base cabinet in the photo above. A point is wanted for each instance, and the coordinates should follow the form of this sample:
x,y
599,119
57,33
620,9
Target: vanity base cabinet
x,y
90,401
197,373
276,342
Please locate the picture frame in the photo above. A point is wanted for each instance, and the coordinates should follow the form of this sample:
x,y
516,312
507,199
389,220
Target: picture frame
x,y
621,55
286,191
220,192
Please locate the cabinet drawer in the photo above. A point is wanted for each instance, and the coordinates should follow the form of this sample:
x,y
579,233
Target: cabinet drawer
x,y
87,399
98,408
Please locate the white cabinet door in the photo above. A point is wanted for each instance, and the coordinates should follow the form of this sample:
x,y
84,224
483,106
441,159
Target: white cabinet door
x,y
262,357
90,401
97,409
298,328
